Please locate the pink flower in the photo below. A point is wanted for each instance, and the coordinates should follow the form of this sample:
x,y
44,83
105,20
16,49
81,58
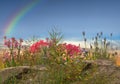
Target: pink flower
x,y
8,43
72,49
6,56
16,44
21,40
5,37
36,46
47,40
13,39
12,43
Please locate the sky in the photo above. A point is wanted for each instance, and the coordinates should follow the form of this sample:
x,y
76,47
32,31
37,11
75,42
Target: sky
x,y
71,17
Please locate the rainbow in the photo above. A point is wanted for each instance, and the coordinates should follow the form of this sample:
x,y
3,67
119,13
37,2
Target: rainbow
x,y
14,19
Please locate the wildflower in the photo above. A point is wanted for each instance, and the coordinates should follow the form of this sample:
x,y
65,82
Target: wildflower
x,y
8,43
5,41
12,43
85,39
13,39
21,40
16,44
36,46
83,33
111,34
96,38
6,56
47,39
72,49
5,37
101,33
97,34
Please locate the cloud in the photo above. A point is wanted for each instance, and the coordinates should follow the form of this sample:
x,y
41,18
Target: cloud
x,y
81,43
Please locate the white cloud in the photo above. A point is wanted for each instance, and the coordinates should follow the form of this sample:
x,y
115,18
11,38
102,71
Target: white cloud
x,y
82,43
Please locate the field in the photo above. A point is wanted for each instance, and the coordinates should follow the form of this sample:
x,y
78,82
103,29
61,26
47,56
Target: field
x,y
51,62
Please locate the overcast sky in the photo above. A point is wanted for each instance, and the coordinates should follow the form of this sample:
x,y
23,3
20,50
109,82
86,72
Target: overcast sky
x,y
71,17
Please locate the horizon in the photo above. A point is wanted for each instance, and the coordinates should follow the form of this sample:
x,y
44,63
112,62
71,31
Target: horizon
x,y
77,42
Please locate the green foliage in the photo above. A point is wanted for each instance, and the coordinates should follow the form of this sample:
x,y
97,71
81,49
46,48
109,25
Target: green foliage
x,y
55,35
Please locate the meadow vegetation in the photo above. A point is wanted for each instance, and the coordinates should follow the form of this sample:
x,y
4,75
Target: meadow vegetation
x,y
64,63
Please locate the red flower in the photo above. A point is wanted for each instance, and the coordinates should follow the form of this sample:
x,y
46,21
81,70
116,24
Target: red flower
x,y
72,49
36,46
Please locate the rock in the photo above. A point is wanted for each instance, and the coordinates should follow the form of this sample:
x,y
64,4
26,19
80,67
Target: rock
x,y
106,72
104,62
18,71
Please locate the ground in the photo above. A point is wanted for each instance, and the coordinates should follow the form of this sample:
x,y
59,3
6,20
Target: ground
x,y
106,72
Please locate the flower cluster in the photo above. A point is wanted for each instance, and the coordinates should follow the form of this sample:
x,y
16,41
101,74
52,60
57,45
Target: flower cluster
x,y
12,43
69,49
7,56
14,47
36,46
72,49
